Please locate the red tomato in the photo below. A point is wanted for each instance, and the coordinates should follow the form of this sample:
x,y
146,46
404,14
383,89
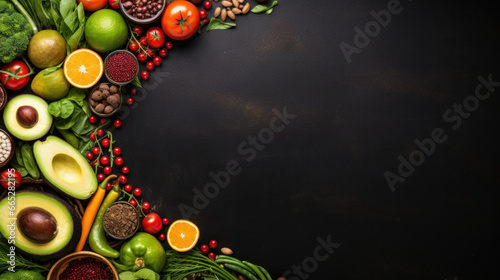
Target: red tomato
x,y
180,20
13,83
152,223
93,5
155,37
11,178
115,4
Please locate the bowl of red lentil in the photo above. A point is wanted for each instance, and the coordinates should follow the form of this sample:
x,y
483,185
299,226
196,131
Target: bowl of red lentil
x,y
121,67
84,265
142,11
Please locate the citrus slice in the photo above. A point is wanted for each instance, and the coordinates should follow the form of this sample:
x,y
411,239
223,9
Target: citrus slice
x,y
182,235
83,68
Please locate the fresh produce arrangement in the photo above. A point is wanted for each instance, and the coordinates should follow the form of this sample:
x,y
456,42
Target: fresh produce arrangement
x,y
68,210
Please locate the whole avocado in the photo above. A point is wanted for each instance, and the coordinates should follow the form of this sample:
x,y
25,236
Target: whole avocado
x,y
47,48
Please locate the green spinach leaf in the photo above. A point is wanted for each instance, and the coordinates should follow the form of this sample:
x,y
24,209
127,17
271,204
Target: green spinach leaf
x,y
217,24
263,8
29,161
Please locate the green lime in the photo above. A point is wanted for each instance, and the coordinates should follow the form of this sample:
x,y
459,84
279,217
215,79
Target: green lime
x,y
106,30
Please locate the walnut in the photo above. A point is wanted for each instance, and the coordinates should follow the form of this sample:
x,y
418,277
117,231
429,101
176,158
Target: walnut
x,y
105,93
114,100
97,95
99,108
108,109
113,89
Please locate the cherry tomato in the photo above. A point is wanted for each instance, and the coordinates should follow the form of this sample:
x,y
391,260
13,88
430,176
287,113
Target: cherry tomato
x,y
101,177
155,37
119,161
180,20
100,132
105,142
127,188
165,221
104,160
212,244
125,170
133,46
145,75
211,255
150,53
143,41
109,186
117,151
133,91
137,29
137,192
163,52
130,101
122,179
93,5
93,119
142,57
161,237
90,156
92,136
96,150
10,178
103,121
152,223
150,65
203,14
13,83
157,61
107,170
133,202
207,5
204,248
117,123
146,207
115,4
169,45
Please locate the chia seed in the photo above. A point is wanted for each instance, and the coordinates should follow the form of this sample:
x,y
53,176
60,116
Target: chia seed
x,y
121,67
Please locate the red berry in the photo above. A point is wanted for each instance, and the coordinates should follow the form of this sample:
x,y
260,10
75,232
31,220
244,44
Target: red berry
x,y
137,192
143,41
122,179
204,248
145,75
103,121
161,237
165,221
107,170
142,57
211,255
130,101
133,91
96,150
101,177
119,161
92,136
93,119
117,123
104,160
105,142
90,156
146,207
157,61
207,5
163,52
109,186
127,188
117,151
203,14
150,66
125,170
100,132
133,202
169,45
212,244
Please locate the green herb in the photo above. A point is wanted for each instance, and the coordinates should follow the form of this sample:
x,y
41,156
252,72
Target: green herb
x,y
29,160
263,8
217,24
136,82
146,274
69,18
21,263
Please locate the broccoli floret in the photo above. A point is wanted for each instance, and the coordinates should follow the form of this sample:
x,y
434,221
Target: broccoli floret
x,y
15,32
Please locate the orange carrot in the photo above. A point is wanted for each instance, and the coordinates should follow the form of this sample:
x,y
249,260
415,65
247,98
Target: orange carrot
x,y
91,211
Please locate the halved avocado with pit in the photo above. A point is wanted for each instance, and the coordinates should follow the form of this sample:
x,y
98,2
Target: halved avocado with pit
x,y
64,168
32,211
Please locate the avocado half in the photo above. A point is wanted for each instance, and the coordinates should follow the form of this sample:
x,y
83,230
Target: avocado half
x,y
64,168
38,125
69,228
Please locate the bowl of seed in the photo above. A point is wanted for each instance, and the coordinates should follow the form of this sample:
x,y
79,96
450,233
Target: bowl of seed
x,y
121,67
105,99
6,147
121,220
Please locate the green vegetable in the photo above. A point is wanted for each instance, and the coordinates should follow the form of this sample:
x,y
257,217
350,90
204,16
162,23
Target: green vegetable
x,y
255,269
143,250
180,265
146,274
264,271
21,263
15,32
38,12
29,160
97,236
22,275
222,259
217,24
263,8
242,271
69,18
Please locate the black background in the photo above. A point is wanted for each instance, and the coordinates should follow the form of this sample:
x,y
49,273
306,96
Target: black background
x,y
323,174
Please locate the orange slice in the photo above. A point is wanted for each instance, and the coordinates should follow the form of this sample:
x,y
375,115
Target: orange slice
x,y
83,68
182,235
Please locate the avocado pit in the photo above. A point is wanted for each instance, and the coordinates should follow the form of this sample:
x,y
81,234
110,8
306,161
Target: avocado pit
x,y
37,224
27,116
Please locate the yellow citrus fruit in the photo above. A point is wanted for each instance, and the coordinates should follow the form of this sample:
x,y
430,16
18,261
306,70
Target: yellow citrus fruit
x,y
83,68
182,235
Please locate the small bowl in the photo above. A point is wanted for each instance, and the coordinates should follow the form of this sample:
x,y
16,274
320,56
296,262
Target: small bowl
x,y
12,148
61,265
146,20
136,227
106,72
3,96
103,115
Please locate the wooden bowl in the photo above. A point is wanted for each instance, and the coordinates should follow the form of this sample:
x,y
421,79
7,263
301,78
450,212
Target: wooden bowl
x,y
103,115
146,20
12,150
63,263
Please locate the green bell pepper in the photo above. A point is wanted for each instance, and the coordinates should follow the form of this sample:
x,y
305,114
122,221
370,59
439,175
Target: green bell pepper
x,y
142,250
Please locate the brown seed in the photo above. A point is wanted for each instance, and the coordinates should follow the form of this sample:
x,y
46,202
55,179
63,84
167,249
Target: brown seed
x,y
231,15
226,251
240,6
246,8
226,3
236,11
241,1
235,3
223,15
217,12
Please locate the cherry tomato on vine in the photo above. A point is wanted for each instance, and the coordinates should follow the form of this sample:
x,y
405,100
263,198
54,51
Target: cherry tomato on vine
x,y
137,192
119,161
117,151
152,223
125,170
127,188
142,57
100,177
105,142
109,186
122,179
90,156
133,202
144,75
115,4
10,178
212,244
100,132
203,14
103,121
13,83
143,41
180,20
169,45
137,29
92,136
150,53
133,46
207,4
96,150
163,52
107,170
204,248
93,5
157,61
104,160
150,66
211,255
93,119
146,207
155,37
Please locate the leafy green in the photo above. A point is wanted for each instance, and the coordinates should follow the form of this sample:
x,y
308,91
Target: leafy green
x,y
181,265
145,274
22,275
21,263
29,161
263,8
217,24
69,18
15,32
136,82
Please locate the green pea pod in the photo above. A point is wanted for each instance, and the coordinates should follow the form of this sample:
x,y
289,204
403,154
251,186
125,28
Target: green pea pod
x,y
241,271
97,237
264,271
255,269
